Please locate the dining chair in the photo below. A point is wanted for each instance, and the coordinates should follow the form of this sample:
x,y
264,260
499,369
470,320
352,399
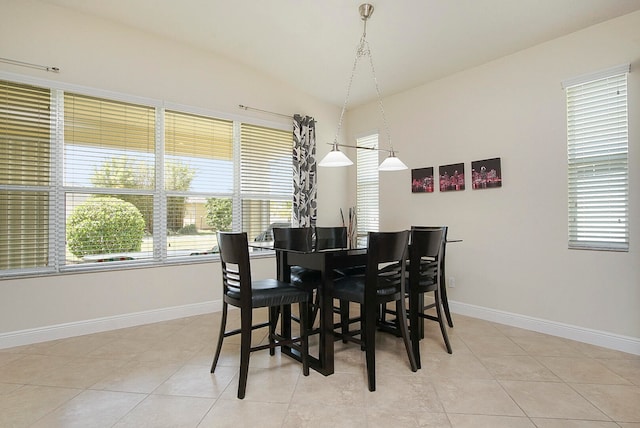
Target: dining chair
x,y
442,258
300,239
329,237
383,282
424,273
241,291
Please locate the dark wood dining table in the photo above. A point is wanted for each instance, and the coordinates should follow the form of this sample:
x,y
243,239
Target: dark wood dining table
x,y
324,261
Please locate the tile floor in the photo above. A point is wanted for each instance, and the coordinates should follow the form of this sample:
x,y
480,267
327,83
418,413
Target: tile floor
x,y
157,375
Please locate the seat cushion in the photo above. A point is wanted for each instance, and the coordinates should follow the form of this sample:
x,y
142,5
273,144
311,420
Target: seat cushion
x,y
351,288
309,279
271,292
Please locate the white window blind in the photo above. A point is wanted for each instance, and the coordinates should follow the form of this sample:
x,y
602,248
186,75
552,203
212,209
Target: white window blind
x,y
25,176
198,180
266,177
597,143
109,173
367,198
86,180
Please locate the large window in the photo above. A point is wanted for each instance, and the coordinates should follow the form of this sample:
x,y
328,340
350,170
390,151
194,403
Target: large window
x,y
86,180
367,187
597,143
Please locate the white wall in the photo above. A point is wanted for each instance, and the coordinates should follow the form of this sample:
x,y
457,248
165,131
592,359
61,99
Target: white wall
x,y
514,260
98,54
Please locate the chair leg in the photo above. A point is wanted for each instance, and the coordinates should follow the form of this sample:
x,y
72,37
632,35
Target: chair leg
x,y
401,309
304,335
368,328
274,312
223,326
415,321
445,302
245,350
443,328
344,319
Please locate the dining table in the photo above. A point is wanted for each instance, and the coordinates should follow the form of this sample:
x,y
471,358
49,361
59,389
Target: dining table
x,y
325,261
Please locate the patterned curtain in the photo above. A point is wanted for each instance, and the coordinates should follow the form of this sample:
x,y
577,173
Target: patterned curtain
x,y
304,172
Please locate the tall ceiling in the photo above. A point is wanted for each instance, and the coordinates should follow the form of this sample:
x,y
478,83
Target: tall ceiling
x,y
311,44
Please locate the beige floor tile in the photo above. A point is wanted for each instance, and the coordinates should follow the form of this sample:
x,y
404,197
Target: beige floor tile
x,y
31,369
518,367
628,369
542,345
317,415
620,402
196,381
8,357
406,393
80,372
581,370
243,413
6,388
25,405
339,389
137,376
417,417
569,423
122,348
552,400
160,411
492,345
93,409
273,385
594,351
489,421
483,397
453,366
79,346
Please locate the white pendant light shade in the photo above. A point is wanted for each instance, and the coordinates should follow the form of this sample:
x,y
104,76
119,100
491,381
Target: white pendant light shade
x,y
335,158
392,163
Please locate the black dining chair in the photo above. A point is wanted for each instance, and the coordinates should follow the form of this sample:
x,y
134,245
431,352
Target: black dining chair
x,y
241,291
425,253
300,239
329,237
383,282
442,280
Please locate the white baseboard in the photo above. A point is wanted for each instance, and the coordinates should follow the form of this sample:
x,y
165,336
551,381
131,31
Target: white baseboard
x,y
62,331
605,339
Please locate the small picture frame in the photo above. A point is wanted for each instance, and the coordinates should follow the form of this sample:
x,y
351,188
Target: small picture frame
x,y
422,180
452,177
486,174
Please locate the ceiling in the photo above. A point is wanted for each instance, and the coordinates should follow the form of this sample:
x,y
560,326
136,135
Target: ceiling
x,y
311,44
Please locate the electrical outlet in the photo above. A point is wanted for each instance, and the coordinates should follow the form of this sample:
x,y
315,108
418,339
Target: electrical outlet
x,y
451,281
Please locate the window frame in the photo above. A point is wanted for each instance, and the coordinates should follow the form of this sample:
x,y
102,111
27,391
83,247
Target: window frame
x,y
598,160
367,187
57,189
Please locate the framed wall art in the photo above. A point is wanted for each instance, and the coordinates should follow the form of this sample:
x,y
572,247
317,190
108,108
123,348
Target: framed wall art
x,y
422,180
486,174
452,177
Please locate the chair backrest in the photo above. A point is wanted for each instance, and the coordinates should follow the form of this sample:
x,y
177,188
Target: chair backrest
x,y
236,270
293,238
331,237
426,252
386,261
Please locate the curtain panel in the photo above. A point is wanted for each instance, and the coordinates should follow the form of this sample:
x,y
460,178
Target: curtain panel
x,y
304,172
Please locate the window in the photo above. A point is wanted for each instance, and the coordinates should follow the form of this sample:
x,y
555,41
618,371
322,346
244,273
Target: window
x,y
86,180
597,143
25,176
367,187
